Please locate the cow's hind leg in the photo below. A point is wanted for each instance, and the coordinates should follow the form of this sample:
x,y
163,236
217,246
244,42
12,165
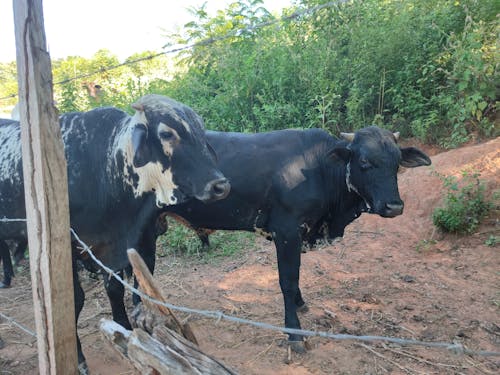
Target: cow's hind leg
x,y
19,251
8,270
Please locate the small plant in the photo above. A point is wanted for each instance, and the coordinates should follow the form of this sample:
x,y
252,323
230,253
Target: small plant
x,y
465,204
492,241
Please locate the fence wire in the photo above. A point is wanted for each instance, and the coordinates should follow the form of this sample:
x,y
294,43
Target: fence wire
x,y
234,33
18,325
456,348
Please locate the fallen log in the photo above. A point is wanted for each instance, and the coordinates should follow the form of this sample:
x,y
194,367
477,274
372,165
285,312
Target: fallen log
x,y
163,352
159,343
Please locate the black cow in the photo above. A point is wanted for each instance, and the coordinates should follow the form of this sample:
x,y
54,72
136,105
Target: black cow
x,y
122,170
299,186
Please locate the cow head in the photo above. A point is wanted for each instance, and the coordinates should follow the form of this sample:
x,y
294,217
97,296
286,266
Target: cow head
x,y
372,159
170,156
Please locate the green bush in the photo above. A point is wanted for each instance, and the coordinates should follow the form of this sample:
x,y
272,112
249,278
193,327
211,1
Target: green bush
x,y
465,204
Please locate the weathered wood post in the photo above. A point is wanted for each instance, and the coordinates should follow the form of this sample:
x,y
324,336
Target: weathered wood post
x,y
46,195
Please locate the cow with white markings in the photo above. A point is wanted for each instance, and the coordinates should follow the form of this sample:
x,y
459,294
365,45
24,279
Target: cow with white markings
x,y
122,171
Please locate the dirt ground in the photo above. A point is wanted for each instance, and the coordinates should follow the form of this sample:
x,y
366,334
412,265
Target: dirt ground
x,y
389,277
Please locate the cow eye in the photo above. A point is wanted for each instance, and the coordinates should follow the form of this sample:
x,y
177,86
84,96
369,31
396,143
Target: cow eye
x,y
166,135
364,163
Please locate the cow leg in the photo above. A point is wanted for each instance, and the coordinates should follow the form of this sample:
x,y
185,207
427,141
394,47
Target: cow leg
x,y
8,270
18,254
288,248
79,296
116,295
204,239
299,302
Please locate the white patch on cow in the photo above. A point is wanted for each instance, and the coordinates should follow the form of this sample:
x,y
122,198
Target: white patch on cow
x,y
350,186
168,145
68,129
291,172
151,177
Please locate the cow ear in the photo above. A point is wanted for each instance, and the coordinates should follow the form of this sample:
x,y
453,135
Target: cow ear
x,y
142,153
412,157
340,153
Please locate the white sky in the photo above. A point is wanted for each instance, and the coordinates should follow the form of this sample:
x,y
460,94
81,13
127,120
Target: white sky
x,y
82,27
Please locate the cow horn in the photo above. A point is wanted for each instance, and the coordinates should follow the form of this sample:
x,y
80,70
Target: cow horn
x,y
396,135
138,107
347,136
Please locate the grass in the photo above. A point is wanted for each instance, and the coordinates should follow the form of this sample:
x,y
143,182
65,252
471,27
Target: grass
x,y
181,240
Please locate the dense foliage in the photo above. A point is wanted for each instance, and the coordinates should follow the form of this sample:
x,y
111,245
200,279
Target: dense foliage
x,y
425,68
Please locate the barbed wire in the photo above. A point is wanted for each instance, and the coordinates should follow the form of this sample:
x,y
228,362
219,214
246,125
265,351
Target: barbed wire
x,y
456,348
204,42
18,325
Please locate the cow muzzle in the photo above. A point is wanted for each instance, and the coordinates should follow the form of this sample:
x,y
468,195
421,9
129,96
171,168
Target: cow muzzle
x,y
215,190
391,210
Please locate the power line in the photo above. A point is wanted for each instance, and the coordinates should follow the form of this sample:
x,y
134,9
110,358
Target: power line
x,y
204,42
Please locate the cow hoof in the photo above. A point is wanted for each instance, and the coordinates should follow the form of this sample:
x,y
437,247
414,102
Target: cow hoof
x,y
4,286
297,346
83,369
302,309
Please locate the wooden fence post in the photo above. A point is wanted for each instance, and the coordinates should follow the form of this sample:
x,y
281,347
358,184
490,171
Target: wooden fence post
x,y
46,196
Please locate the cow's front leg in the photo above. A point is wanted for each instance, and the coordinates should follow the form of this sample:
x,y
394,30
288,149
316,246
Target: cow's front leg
x,y
288,248
116,295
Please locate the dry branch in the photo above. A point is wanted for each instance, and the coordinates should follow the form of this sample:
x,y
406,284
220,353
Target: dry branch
x,y
153,347
164,352
148,286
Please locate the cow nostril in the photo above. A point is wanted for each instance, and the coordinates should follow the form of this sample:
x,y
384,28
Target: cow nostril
x,y
221,188
395,208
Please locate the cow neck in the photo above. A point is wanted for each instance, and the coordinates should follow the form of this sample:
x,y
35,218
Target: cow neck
x,y
343,196
351,188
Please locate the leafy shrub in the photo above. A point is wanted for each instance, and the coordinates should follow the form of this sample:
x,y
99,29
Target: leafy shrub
x,y
465,204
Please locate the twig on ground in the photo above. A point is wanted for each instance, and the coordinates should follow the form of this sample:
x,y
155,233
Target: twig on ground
x,y
478,367
260,354
370,349
406,354
250,339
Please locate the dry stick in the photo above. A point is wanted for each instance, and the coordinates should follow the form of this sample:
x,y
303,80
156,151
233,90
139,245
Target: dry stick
x,y
385,358
148,285
437,364
477,366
